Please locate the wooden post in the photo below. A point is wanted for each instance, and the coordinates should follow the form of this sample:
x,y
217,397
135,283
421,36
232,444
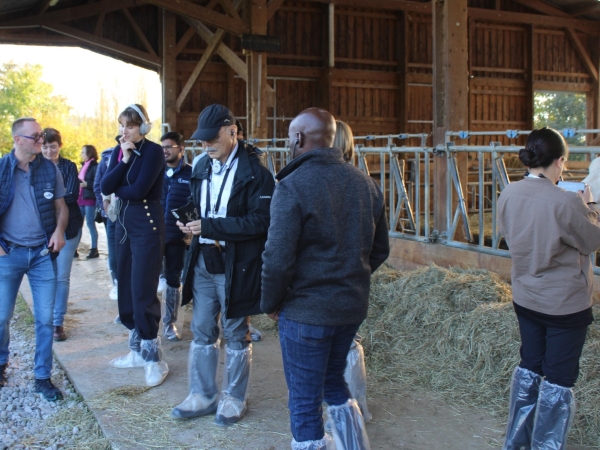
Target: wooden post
x,y
169,69
450,95
529,78
257,74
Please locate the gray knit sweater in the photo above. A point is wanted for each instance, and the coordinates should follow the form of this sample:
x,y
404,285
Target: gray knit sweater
x,y
328,233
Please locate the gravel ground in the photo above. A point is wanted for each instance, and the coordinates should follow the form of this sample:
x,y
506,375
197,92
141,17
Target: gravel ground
x,y
27,420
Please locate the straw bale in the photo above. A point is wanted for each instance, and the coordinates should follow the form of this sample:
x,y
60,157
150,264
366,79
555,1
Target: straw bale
x,y
454,331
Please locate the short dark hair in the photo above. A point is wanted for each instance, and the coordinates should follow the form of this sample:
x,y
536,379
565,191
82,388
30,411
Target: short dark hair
x,y
52,135
91,151
18,124
543,147
173,136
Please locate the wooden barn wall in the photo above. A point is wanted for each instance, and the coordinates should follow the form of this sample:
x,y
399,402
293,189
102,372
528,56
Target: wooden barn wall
x,y
382,79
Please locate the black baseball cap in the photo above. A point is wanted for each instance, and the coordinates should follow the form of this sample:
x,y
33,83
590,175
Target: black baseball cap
x,y
210,122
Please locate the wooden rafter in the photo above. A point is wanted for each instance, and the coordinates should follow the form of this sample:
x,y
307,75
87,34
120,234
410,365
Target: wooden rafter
x,y
585,10
73,13
188,9
101,42
99,24
208,54
587,26
272,8
583,54
230,9
184,40
138,31
539,5
228,55
397,5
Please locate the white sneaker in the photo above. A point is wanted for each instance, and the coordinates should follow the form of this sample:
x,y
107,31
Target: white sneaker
x,y
230,411
131,359
195,405
156,372
162,285
114,292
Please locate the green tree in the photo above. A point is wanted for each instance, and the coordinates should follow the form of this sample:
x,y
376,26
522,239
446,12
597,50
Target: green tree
x,y
24,94
561,110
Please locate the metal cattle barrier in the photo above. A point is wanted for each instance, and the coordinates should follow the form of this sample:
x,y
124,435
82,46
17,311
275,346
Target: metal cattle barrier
x,y
404,174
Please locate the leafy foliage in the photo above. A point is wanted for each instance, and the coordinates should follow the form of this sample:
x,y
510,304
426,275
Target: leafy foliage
x,y
560,110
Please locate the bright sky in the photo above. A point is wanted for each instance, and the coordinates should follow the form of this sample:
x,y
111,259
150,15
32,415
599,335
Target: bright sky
x,y
78,74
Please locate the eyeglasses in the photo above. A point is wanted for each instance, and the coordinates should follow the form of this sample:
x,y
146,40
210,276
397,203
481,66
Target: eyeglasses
x,y
165,147
35,137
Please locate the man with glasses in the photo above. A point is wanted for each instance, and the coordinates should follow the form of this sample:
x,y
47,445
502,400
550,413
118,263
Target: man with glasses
x,y
231,191
33,218
176,192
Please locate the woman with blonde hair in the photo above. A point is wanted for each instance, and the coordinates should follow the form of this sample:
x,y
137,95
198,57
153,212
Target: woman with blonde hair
x,y
344,139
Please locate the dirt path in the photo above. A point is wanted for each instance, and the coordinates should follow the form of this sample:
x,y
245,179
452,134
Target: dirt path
x,y
134,417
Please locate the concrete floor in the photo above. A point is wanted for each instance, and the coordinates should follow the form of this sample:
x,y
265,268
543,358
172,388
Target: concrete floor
x,y
133,417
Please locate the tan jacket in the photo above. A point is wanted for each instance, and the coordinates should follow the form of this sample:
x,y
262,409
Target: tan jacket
x,y
551,234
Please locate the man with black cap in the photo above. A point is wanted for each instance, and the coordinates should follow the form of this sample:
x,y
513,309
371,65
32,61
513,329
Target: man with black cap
x,y
231,191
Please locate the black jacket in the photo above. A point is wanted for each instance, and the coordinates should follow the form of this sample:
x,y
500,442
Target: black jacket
x,y
90,177
244,230
328,234
176,193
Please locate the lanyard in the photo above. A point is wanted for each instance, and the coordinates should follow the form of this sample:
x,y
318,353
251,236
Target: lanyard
x,y
208,184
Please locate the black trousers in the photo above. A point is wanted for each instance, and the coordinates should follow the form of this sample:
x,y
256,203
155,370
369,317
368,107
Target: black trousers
x,y
551,352
139,241
174,259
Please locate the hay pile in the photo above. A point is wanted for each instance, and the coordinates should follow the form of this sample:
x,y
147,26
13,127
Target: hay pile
x,y
454,331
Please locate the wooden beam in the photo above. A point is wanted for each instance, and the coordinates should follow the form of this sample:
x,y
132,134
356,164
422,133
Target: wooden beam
x,y
184,40
256,87
582,52
99,24
395,5
230,9
169,69
138,31
43,6
208,54
272,8
191,10
582,10
104,43
587,26
73,13
539,5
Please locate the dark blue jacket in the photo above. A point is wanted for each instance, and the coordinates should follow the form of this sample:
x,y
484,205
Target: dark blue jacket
x,y
176,193
102,166
141,178
43,179
244,231
68,170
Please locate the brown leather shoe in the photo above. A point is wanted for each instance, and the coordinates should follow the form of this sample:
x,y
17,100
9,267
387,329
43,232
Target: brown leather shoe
x,y
59,334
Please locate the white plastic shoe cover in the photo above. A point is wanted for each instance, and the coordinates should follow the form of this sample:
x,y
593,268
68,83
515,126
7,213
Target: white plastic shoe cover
x,y
155,372
349,431
230,410
553,417
114,292
131,359
162,285
356,377
322,444
195,405
238,364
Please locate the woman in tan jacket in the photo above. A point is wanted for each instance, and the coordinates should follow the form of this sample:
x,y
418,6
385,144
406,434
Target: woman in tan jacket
x,y
551,234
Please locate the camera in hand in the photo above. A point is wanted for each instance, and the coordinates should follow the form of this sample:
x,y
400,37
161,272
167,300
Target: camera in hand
x,y
187,213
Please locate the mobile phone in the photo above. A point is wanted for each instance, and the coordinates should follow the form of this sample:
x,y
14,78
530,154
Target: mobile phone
x,y
573,186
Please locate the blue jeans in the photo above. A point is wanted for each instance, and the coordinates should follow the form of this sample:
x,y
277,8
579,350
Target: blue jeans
x,y
63,279
41,272
314,360
112,251
89,212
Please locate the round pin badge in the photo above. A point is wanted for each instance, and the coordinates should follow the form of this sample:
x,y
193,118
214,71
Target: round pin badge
x,y
48,195
170,173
